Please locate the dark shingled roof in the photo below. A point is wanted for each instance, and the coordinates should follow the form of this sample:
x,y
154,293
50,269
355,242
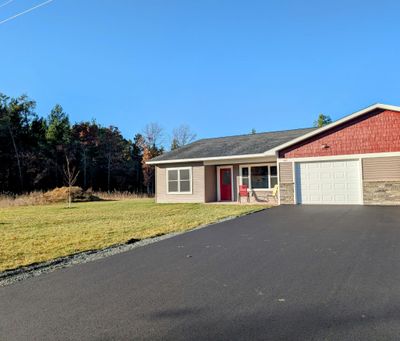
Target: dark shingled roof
x,y
233,145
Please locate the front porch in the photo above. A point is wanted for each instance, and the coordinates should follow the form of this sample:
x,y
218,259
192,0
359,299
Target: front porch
x,y
223,183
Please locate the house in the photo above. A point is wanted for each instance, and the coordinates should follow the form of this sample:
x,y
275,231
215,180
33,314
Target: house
x,y
355,160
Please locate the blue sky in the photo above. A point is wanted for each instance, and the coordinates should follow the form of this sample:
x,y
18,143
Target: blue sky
x,y
222,67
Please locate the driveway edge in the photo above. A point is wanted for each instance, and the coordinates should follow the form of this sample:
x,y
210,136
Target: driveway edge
x,y
19,274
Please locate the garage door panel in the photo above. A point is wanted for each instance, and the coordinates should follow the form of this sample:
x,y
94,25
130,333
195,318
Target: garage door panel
x,y
327,198
326,175
353,186
313,186
339,164
314,197
339,175
340,197
327,186
328,182
339,186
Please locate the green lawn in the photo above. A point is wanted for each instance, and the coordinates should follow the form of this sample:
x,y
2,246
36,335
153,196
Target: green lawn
x,y
38,233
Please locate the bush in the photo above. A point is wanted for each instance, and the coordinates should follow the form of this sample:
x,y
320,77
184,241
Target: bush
x,y
60,194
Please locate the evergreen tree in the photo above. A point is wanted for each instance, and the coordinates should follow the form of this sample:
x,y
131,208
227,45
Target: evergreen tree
x,y
58,137
322,120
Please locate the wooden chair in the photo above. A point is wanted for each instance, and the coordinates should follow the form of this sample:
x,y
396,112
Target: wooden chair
x,y
243,192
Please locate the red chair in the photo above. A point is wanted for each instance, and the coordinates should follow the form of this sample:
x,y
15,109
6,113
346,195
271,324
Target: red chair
x,y
243,192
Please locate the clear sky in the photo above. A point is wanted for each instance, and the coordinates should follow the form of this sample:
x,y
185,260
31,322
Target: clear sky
x,y
223,67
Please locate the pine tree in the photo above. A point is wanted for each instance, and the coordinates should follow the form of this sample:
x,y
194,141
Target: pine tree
x,y
322,120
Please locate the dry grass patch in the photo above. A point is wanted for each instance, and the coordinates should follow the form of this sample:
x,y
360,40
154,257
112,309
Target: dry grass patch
x,y
38,233
60,194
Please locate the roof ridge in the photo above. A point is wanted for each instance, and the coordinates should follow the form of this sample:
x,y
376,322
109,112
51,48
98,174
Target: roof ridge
x,y
251,134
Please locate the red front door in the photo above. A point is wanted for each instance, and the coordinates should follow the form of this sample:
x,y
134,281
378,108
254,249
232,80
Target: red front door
x,y
225,182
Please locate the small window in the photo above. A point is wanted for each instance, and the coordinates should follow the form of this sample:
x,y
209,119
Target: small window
x,y
179,180
274,176
245,176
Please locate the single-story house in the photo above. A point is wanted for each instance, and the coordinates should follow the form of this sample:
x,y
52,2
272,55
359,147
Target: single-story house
x,y
355,160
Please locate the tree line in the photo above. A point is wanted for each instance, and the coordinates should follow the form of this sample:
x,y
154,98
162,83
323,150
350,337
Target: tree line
x,y
35,150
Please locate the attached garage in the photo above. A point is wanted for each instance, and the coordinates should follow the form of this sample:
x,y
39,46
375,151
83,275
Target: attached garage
x,y
355,160
329,182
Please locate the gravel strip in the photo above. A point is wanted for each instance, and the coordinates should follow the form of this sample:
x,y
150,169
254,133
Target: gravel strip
x,y
11,276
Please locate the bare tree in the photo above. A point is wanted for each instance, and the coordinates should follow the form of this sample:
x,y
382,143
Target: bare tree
x,y
181,136
71,175
16,156
153,134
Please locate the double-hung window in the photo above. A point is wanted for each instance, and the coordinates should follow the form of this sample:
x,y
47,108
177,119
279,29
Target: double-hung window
x,y
259,176
179,180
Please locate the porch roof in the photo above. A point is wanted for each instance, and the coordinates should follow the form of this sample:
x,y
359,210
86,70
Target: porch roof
x,y
239,145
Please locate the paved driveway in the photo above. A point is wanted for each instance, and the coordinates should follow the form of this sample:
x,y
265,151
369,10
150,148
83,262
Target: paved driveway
x,y
288,273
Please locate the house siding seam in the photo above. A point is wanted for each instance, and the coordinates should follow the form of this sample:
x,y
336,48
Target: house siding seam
x,y
376,132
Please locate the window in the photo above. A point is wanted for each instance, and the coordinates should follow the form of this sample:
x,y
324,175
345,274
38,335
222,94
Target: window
x,y
179,180
245,176
274,176
259,176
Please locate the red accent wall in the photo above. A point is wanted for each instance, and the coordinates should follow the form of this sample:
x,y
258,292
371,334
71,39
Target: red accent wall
x,y
375,132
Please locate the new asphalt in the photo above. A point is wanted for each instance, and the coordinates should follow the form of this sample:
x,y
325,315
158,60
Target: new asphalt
x,y
287,273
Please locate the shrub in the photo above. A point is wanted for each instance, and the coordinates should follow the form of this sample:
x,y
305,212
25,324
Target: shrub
x,y
60,194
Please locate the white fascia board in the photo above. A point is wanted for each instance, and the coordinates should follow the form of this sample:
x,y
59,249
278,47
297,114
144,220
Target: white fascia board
x,y
216,158
336,123
339,157
231,161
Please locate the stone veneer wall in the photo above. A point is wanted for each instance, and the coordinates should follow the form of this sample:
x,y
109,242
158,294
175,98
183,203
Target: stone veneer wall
x,y
286,192
381,192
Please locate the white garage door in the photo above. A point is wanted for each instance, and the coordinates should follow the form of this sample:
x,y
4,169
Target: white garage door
x,y
328,182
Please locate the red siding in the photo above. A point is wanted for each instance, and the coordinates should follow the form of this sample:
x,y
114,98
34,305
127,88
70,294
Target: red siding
x,y
375,132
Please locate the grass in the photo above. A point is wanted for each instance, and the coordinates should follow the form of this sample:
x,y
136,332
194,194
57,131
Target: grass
x,y
33,234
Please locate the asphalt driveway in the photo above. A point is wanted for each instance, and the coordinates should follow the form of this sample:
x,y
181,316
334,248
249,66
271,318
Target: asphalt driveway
x,y
288,273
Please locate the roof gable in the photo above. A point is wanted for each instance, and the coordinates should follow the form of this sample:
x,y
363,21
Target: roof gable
x,y
371,108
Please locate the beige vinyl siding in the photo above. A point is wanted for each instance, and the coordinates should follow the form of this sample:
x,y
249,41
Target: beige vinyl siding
x,y
210,173
286,172
198,186
381,168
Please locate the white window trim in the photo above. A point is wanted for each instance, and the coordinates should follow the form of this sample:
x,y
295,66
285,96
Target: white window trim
x,y
179,184
219,182
249,166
